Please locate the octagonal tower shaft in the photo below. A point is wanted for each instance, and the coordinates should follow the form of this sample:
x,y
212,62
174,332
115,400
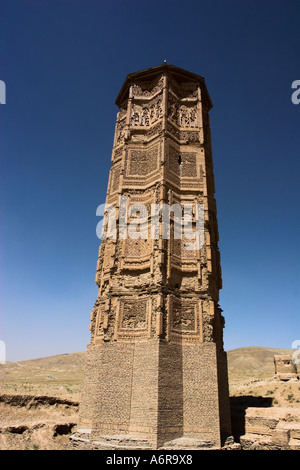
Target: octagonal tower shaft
x,y
156,368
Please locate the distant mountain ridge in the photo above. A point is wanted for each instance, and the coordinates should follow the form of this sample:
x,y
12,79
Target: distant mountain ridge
x,y
245,362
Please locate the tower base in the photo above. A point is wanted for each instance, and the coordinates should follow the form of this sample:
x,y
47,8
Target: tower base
x,y
154,394
82,439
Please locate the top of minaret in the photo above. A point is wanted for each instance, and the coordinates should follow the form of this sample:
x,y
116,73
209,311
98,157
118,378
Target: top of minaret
x,y
151,73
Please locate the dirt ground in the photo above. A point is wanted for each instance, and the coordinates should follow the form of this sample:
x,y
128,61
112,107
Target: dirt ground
x,y
36,422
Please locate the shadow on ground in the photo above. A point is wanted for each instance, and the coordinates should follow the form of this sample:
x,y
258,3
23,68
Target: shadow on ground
x,y
239,406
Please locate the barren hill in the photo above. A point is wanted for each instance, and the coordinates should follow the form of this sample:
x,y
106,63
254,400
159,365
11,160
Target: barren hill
x,y
253,362
59,376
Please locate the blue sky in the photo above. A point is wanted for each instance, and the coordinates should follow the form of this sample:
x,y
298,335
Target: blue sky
x,y
64,63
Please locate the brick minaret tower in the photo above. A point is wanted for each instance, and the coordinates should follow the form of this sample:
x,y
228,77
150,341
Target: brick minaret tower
x,y
156,370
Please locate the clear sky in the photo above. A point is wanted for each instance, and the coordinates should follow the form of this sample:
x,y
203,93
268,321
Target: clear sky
x,y
63,63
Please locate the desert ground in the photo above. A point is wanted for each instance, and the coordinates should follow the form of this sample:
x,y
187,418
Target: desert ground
x,y
39,398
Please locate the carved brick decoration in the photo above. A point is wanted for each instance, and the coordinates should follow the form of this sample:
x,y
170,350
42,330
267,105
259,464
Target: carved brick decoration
x,y
134,314
142,162
184,315
156,370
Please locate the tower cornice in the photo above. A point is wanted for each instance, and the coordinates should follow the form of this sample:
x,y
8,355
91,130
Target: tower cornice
x,y
177,73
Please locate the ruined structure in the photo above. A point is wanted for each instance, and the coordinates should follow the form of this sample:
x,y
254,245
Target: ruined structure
x,y
272,428
285,369
156,370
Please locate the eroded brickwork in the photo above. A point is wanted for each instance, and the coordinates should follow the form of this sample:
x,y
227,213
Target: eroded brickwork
x,y
156,368
285,368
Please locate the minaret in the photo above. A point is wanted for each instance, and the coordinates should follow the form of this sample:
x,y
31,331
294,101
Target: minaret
x,y
156,370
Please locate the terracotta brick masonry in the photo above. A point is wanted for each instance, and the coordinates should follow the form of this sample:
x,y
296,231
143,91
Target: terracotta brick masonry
x,y
156,370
